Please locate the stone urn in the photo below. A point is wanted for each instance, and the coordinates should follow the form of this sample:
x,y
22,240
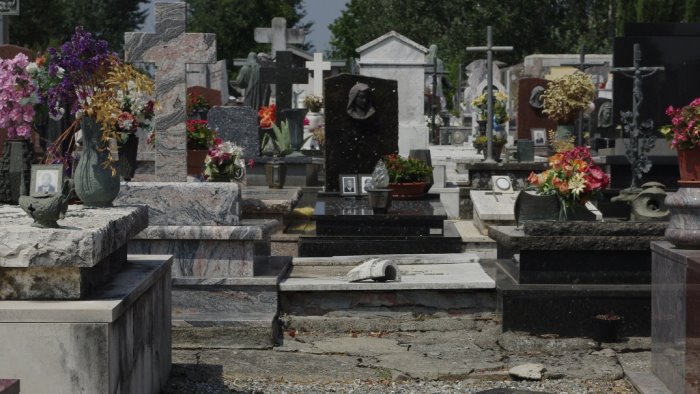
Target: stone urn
x,y
95,185
316,120
684,223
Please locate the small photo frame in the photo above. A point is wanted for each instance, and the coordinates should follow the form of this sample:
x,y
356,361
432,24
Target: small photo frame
x,y
348,185
539,137
365,182
46,179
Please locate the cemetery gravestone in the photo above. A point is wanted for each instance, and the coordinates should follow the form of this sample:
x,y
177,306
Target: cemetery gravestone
x,y
530,114
170,48
393,56
278,35
673,46
318,66
353,146
212,76
238,125
212,96
283,75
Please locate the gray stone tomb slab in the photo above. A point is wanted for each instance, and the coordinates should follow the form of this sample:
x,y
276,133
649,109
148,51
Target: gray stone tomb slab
x,y
73,297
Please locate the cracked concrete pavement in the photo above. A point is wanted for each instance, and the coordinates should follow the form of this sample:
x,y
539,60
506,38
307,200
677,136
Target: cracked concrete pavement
x,y
477,356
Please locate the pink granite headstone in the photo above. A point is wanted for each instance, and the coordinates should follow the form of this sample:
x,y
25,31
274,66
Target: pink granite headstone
x,y
170,48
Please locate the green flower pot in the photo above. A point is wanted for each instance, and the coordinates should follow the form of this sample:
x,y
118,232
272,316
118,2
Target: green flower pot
x,y
95,185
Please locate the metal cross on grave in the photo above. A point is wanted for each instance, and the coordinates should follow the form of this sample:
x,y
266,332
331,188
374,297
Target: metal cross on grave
x,y
318,66
278,35
489,49
283,75
636,153
170,49
582,66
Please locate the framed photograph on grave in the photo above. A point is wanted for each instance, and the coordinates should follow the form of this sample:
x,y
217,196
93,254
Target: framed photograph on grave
x,y
348,185
46,178
365,182
539,136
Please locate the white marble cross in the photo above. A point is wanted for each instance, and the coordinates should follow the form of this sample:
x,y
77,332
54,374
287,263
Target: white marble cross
x,y
318,66
278,35
170,49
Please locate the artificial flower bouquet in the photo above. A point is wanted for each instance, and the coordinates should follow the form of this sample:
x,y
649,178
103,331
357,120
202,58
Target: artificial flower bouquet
x,y
406,170
684,130
573,176
224,162
199,135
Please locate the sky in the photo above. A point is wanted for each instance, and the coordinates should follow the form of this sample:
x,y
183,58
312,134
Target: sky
x,y
322,12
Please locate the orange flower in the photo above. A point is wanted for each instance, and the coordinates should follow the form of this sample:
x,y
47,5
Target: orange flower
x,y
267,115
581,166
563,187
40,61
555,160
534,179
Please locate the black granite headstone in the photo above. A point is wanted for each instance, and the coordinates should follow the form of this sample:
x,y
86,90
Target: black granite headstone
x,y
354,146
676,46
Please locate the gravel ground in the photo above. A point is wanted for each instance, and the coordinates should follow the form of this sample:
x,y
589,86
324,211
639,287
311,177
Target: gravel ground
x,y
441,360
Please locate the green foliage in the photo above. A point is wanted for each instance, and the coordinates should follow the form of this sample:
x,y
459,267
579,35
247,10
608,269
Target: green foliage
x,y
234,22
44,23
406,170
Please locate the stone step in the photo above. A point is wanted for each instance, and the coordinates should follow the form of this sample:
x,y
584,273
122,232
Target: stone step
x,y
229,312
430,283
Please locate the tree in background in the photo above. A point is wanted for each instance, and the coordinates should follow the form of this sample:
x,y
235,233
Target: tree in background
x,y
531,26
44,23
234,22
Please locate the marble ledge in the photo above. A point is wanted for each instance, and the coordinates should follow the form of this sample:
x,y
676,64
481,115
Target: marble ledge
x,y
400,259
184,203
85,237
258,199
102,306
249,230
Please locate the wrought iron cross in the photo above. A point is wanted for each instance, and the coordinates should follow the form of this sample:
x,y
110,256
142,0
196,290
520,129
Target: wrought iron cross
x,y
636,153
581,66
489,49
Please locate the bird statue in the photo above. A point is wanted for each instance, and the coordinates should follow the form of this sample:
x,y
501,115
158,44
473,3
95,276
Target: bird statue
x,y
47,208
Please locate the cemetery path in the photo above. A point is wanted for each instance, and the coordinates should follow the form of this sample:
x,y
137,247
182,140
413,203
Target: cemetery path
x,y
378,355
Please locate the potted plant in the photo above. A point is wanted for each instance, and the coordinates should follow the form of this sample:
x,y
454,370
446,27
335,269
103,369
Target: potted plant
x,y
16,118
223,162
498,142
683,134
314,104
267,116
276,170
407,176
500,113
566,97
378,193
199,139
197,106
574,178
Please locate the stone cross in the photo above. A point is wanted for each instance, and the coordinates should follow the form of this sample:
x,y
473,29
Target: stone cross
x,y
278,35
581,66
170,49
284,75
636,153
318,66
489,49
